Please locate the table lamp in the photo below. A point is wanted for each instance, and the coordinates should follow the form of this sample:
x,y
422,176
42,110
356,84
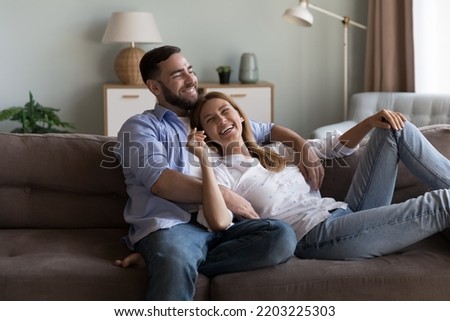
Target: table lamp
x,y
130,27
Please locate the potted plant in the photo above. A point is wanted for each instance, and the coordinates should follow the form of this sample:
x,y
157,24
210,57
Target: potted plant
x,y
35,118
224,74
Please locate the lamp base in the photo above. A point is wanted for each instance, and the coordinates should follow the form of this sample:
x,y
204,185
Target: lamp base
x,y
126,66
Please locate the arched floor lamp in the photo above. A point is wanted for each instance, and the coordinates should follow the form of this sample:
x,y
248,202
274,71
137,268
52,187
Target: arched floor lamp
x,y
301,16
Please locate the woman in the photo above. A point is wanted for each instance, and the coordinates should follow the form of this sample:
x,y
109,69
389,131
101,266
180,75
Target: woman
x,y
365,225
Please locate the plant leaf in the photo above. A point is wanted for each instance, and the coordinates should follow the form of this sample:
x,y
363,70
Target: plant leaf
x,y
35,118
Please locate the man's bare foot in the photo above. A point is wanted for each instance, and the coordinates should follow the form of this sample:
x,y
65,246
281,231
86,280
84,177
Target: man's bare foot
x,y
132,259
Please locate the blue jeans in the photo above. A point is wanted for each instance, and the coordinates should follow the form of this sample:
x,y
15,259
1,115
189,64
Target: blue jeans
x,y
371,226
175,256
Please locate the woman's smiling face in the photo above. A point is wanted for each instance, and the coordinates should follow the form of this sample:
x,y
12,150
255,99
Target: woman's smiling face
x,y
222,123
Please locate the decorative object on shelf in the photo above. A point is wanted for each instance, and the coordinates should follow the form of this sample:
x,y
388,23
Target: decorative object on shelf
x,y
35,118
131,27
301,16
224,74
248,68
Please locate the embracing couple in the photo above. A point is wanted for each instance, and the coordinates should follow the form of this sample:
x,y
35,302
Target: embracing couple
x,y
253,207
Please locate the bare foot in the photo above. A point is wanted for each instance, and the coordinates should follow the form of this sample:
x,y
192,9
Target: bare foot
x,y
132,259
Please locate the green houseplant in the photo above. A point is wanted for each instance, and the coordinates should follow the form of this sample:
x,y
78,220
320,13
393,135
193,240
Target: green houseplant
x,y
224,74
35,118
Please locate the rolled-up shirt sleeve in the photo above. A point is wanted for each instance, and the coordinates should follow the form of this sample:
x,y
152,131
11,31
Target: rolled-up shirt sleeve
x,y
330,146
261,131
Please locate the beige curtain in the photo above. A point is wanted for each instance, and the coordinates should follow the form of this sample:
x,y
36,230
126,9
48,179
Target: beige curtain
x,y
389,49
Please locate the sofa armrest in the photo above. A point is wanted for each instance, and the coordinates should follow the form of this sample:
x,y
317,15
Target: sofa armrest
x,y
343,126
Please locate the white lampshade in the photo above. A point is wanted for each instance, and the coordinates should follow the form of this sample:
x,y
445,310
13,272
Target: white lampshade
x,y
299,15
132,27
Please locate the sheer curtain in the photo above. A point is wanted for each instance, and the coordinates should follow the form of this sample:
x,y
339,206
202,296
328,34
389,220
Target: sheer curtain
x,y
432,46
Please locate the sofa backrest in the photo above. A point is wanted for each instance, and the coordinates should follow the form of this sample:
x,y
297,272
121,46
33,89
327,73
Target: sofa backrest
x,y
339,172
420,109
60,181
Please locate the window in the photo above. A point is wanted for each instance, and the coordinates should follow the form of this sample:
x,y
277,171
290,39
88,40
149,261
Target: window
x,y
431,46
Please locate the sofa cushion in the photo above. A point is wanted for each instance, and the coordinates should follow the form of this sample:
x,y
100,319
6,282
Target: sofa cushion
x,y
420,272
61,181
66,264
71,264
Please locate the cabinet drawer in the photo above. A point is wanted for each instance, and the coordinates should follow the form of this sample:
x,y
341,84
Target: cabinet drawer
x,y
255,101
122,103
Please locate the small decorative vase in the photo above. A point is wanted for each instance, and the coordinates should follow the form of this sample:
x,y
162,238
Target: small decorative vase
x,y
248,69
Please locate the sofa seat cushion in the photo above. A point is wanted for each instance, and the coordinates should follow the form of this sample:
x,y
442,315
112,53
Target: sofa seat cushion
x,y
421,272
71,264
64,264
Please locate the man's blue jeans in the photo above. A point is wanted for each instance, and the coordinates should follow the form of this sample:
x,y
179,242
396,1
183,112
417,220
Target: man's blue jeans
x,y
371,226
175,256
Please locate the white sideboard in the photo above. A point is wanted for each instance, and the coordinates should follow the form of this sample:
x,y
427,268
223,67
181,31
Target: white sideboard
x,y
124,101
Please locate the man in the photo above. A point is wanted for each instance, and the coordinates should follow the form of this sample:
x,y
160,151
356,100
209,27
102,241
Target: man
x,y
163,197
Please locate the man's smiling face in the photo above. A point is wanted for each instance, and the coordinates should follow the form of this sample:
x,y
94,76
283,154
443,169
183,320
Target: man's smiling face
x,y
178,83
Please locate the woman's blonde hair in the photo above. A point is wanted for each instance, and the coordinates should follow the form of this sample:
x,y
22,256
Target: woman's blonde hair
x,y
267,157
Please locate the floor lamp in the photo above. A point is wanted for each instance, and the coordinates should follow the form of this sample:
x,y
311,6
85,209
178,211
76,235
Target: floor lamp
x,y
300,15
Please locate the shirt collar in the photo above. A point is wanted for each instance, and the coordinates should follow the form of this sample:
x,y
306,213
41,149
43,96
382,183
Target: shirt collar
x,y
161,111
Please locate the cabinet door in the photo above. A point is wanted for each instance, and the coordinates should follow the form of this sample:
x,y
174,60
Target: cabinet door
x,y
122,103
255,101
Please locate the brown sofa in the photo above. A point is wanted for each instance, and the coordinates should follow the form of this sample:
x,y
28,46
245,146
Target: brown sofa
x,y
61,204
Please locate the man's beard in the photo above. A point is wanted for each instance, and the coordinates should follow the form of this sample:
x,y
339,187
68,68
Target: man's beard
x,y
175,100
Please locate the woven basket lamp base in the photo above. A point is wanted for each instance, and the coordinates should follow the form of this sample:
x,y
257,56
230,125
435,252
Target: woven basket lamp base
x,y
126,66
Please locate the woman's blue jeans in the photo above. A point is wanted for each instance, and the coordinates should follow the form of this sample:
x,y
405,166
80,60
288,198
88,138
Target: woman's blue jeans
x,y
371,226
175,256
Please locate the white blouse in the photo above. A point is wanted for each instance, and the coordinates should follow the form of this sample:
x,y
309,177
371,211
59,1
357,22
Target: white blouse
x,y
281,195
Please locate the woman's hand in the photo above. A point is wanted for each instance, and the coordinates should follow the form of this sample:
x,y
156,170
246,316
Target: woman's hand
x,y
196,142
385,118
215,208
388,119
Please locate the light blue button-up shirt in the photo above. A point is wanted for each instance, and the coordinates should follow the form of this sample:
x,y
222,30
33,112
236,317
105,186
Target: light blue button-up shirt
x,y
150,143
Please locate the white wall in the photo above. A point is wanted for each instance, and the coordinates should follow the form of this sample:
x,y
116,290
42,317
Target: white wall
x,y
53,48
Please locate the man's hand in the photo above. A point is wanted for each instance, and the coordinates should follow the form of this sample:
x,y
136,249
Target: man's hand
x,y
238,205
311,167
305,157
